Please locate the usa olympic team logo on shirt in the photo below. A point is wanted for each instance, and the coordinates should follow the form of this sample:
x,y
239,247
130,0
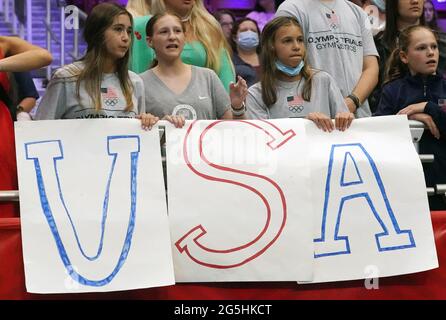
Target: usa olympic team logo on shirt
x,y
185,110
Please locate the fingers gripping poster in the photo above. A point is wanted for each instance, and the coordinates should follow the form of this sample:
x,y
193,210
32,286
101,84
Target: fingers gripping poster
x,y
92,205
371,214
239,202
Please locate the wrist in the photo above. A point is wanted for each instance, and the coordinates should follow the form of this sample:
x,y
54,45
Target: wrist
x,y
240,111
355,99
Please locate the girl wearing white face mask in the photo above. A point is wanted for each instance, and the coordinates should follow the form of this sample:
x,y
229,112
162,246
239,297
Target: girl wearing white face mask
x,y
245,45
289,88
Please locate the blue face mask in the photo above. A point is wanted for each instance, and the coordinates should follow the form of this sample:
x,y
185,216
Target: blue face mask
x,y
381,4
290,71
248,40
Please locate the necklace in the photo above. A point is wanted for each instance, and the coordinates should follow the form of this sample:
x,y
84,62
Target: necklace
x,y
326,6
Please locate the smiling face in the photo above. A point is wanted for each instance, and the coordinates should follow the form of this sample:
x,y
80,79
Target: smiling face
x,y
118,37
168,38
289,45
422,53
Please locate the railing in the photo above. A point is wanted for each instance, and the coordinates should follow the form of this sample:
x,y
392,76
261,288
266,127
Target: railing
x,y
8,9
415,127
74,25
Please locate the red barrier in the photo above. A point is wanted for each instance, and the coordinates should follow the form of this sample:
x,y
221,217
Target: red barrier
x,y
424,285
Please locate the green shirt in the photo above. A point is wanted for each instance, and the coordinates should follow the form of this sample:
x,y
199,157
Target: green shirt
x,y
194,53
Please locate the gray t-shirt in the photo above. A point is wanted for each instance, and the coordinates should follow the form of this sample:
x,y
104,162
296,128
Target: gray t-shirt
x,y
204,98
325,98
338,36
60,100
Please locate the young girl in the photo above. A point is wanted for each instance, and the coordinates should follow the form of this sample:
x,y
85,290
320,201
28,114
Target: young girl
x,y
289,88
414,88
183,90
100,85
205,45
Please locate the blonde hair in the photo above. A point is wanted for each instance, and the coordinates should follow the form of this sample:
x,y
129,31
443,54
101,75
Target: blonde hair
x,y
206,29
138,8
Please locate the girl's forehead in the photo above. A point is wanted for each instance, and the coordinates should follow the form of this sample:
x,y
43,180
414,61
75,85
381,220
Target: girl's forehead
x,y
289,29
167,21
122,19
421,35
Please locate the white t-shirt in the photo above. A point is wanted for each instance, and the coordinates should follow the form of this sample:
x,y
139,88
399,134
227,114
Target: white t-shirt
x,y
338,36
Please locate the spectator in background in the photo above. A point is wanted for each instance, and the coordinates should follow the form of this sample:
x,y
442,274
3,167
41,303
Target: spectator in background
x,y
245,47
400,14
376,10
226,19
430,15
263,12
339,41
206,45
138,8
25,95
414,88
16,55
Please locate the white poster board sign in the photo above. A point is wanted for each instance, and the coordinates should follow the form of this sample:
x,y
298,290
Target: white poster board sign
x,y
370,206
92,205
239,202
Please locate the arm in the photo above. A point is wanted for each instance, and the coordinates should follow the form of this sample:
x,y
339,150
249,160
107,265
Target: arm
x,y
141,55
430,108
22,56
438,115
366,83
220,98
237,95
27,93
226,72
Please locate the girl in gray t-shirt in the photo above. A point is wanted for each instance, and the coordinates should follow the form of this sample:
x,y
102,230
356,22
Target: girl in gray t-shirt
x,y
289,88
100,85
176,91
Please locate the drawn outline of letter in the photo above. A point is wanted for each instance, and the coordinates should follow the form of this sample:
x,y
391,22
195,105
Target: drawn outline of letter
x,y
33,150
275,222
331,243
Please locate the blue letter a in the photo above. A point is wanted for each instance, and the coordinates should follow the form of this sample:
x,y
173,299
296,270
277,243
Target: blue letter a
x,y
352,174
